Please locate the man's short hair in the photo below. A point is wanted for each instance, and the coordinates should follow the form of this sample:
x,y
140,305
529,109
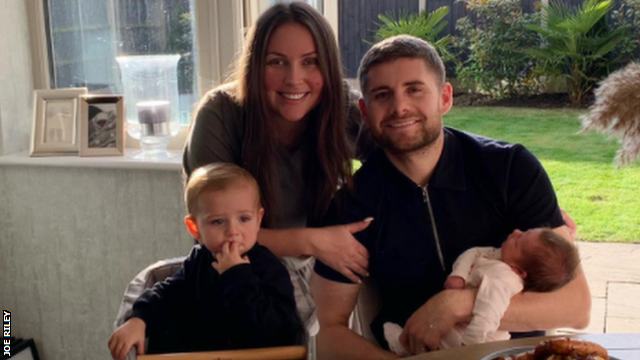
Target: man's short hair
x,y
216,177
554,263
398,47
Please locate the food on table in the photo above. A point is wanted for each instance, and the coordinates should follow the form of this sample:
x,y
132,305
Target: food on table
x,y
562,349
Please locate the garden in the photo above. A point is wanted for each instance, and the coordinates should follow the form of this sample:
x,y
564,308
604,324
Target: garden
x,y
560,80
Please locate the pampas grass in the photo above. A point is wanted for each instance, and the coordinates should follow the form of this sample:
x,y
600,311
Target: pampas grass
x,y
616,112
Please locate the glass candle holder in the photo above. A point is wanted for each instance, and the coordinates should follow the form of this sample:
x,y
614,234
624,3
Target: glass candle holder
x,y
150,88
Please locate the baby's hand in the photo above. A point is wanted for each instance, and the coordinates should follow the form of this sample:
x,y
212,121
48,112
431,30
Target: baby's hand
x,y
129,334
454,282
228,257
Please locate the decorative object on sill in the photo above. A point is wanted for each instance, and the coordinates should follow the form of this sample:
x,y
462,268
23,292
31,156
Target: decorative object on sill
x,y
101,125
616,112
150,87
55,122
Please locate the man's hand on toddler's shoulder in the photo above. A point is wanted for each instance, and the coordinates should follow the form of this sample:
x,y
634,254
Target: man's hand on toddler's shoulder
x,y
129,334
228,257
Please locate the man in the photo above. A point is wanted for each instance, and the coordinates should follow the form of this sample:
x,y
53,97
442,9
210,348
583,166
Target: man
x,y
433,192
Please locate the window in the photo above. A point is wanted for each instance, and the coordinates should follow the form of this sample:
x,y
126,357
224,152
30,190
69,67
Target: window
x,y
75,42
85,36
329,8
318,4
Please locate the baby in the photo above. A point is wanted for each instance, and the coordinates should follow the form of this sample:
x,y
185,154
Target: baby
x,y
536,260
230,293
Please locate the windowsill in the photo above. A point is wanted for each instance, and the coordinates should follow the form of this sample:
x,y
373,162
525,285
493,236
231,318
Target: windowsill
x,y
128,161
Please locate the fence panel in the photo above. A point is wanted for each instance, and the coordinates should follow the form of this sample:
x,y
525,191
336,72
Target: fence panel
x,y
357,22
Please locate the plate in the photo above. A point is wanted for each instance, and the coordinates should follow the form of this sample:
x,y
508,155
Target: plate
x,y
518,350
509,351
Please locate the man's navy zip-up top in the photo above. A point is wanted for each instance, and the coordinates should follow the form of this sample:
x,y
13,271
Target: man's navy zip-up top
x,y
480,191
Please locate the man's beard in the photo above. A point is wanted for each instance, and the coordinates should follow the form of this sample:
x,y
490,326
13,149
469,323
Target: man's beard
x,y
421,140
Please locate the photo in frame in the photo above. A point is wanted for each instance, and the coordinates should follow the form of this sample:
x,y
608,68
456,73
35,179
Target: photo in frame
x,y
101,125
55,122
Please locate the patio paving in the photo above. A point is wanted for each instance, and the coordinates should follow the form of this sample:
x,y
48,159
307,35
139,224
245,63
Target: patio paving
x,y
613,273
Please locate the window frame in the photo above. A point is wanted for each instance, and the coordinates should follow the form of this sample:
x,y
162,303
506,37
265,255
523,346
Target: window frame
x,y
218,26
39,48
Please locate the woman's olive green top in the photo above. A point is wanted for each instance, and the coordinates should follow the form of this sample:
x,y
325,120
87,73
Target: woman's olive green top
x,y
217,135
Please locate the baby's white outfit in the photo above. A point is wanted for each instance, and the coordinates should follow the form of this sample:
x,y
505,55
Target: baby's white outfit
x,y
497,283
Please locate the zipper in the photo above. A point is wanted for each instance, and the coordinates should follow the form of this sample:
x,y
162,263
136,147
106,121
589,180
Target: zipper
x,y
427,200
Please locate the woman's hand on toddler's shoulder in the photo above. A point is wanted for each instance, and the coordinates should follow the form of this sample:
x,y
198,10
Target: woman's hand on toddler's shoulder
x,y
131,333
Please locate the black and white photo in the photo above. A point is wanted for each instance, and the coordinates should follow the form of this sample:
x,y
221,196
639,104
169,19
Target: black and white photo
x,y
101,125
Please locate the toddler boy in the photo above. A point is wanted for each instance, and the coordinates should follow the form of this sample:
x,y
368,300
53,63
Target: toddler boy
x,y
230,293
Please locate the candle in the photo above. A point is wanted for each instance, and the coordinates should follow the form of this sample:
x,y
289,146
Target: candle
x,y
153,112
154,118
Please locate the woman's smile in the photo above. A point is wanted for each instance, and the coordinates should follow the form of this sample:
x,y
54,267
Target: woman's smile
x,y
294,96
292,78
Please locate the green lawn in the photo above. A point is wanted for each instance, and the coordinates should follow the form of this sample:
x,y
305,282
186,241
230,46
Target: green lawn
x,y
604,201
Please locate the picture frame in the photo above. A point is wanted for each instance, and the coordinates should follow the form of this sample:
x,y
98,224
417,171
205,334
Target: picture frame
x,y
55,122
101,125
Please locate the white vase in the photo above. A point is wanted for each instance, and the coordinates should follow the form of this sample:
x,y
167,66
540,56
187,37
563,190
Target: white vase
x,y
150,87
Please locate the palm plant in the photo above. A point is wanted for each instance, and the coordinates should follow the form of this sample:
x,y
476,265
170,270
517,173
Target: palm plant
x,y
575,45
426,26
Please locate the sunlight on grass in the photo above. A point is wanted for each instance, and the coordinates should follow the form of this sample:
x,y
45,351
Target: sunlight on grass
x,y
605,202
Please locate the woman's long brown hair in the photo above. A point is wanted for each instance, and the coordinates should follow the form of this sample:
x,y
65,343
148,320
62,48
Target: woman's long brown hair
x,y
329,166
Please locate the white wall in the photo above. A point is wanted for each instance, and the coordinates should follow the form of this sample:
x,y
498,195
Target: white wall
x,y
71,238
16,83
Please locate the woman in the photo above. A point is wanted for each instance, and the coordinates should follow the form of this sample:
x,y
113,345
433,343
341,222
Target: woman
x,y
284,118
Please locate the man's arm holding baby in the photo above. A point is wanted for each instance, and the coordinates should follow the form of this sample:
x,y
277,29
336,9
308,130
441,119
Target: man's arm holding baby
x,y
531,202
335,302
568,306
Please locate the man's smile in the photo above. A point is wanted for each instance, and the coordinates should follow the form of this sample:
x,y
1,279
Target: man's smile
x,y
400,124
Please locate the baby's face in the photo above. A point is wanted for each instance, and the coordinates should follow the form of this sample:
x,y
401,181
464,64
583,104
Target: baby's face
x,y
519,245
230,215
